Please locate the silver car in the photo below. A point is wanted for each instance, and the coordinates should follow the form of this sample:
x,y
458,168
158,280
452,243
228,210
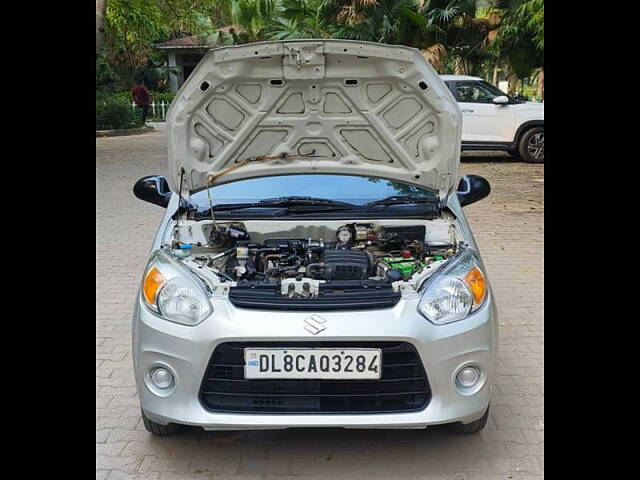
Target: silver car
x,y
314,266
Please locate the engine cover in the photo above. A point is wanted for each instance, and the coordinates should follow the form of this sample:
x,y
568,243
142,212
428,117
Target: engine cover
x,y
344,264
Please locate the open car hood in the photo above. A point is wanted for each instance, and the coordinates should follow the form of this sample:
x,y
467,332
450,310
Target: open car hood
x,y
314,106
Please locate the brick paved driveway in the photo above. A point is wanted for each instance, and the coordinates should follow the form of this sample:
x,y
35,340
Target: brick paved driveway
x,y
509,228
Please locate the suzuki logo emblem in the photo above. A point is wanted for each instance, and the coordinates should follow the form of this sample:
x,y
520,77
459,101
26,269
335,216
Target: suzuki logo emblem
x,y
314,324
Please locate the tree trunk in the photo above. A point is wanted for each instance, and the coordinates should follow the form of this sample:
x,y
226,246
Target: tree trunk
x,y
513,82
100,11
495,76
460,67
540,91
457,68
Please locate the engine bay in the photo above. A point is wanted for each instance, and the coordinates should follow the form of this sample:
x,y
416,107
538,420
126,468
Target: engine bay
x,y
352,255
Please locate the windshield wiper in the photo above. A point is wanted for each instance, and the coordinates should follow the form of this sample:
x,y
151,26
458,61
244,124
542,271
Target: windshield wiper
x,y
288,205
402,200
302,209
290,201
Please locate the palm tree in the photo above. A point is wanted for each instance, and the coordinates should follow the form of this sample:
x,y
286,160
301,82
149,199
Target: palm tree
x,y
519,42
447,32
463,32
386,21
252,19
298,19
453,35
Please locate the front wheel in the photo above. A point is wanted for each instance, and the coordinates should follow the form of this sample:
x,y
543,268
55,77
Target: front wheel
x,y
472,427
531,146
158,429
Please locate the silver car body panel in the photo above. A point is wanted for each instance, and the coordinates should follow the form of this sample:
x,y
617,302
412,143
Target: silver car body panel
x,y
186,351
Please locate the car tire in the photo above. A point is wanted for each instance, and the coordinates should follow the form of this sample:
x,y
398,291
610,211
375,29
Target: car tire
x,y
513,151
160,430
531,145
472,427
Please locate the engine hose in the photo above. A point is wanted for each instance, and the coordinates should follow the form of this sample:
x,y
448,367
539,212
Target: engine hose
x,y
313,266
220,255
265,260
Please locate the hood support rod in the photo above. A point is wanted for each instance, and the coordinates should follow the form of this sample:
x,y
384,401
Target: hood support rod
x,y
241,163
283,156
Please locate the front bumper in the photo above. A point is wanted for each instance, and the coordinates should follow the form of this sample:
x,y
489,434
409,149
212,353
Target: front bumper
x,y
186,352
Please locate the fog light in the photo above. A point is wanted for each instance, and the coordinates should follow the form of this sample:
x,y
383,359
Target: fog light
x,y
468,377
162,378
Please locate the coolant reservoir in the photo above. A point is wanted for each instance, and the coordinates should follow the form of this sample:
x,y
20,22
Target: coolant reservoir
x,y
440,232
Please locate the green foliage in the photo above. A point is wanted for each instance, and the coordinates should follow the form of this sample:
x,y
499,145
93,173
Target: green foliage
x,y
110,108
114,113
387,21
219,13
457,36
529,92
253,17
520,39
107,79
155,75
298,19
131,26
531,14
166,97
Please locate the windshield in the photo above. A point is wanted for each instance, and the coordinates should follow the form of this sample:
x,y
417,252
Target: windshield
x,y
351,189
496,92
478,92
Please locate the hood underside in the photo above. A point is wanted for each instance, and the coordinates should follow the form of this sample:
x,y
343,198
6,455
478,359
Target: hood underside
x,y
314,106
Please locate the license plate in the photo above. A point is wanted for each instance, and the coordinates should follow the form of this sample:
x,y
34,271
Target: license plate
x,y
313,363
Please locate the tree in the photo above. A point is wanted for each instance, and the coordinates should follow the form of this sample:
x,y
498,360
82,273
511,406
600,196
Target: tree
x,y
520,39
298,19
387,21
532,14
462,33
446,31
132,26
253,19
462,36
100,5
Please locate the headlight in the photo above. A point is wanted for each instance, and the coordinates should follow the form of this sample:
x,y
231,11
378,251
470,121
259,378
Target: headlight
x,y
455,292
173,292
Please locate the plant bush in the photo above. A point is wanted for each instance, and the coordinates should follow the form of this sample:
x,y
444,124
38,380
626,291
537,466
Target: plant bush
x,y
166,97
110,109
116,113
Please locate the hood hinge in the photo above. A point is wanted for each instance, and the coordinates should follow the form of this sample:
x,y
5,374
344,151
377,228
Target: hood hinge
x,y
303,60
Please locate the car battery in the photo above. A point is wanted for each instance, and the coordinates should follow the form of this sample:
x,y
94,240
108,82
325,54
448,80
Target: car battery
x,y
405,265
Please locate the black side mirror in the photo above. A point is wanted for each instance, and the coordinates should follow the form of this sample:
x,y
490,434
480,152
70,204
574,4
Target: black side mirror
x,y
472,188
153,189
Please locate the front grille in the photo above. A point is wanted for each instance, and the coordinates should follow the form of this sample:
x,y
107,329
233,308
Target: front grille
x,y
403,386
338,295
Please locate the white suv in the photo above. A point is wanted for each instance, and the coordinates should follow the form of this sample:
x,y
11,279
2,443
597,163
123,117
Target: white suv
x,y
492,120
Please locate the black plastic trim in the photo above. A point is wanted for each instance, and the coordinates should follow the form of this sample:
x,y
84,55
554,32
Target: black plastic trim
x,y
526,126
486,145
403,386
337,295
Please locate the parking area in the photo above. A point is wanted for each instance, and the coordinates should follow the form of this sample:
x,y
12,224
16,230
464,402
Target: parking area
x,y
509,227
